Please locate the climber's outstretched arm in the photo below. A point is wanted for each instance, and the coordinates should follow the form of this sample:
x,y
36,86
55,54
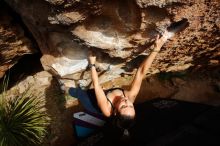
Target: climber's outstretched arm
x,y
143,68
100,95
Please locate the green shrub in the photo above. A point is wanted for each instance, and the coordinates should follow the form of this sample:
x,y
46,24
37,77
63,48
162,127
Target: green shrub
x,y
23,121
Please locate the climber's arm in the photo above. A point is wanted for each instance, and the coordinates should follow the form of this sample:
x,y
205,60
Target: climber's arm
x,y
142,70
100,95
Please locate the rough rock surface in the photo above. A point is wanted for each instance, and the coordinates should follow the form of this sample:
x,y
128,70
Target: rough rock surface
x,y
13,42
120,33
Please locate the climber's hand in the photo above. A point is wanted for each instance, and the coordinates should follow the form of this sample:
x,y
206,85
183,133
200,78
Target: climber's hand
x,y
92,58
159,42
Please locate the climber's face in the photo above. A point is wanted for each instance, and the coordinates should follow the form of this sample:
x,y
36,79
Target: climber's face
x,y
125,107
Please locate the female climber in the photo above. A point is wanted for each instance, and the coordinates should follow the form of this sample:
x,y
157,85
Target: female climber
x,y
118,102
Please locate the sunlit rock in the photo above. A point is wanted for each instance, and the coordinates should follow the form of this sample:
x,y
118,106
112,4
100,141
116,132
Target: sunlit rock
x,y
121,34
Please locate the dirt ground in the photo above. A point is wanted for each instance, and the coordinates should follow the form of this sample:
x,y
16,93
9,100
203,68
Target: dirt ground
x,y
196,86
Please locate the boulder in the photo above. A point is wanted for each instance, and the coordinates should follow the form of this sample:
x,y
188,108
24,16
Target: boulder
x,y
121,34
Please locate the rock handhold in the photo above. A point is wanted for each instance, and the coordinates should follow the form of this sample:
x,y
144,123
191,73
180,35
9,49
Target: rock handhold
x,y
176,27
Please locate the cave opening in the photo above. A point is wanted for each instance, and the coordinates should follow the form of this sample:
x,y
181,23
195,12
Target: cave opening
x,y
27,64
